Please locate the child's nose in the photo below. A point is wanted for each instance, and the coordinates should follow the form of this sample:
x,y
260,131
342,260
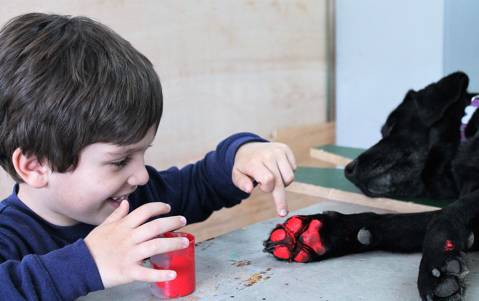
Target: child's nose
x,y
139,177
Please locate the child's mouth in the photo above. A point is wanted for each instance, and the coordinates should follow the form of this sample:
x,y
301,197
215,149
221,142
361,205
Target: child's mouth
x,y
116,201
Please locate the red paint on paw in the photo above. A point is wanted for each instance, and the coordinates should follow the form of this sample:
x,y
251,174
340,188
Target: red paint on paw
x,y
297,239
312,239
449,246
294,224
282,252
302,256
278,235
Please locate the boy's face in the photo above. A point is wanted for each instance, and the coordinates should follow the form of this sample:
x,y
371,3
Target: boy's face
x,y
105,175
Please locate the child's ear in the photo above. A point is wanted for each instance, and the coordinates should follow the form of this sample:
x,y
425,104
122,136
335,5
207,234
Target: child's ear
x,y
32,171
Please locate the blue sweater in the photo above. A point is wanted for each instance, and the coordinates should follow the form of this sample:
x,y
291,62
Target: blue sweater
x,y
41,261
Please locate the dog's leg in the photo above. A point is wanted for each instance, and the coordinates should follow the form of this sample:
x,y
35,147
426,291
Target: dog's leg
x,y
305,238
448,236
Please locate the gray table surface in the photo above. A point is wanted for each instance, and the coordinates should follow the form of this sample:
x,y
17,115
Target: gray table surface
x,y
234,267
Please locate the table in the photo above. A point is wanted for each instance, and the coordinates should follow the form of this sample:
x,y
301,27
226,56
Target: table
x,y
233,267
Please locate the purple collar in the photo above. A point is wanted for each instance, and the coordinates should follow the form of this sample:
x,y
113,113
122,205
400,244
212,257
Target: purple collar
x,y
468,112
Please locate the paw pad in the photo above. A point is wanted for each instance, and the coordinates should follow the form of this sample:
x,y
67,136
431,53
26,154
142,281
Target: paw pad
x,y
294,224
364,236
449,246
311,237
298,239
282,252
453,266
302,256
446,288
278,235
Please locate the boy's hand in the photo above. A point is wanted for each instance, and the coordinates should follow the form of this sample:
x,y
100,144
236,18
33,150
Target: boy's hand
x,y
271,165
121,243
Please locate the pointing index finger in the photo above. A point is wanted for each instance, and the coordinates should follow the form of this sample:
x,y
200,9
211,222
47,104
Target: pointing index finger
x,y
279,197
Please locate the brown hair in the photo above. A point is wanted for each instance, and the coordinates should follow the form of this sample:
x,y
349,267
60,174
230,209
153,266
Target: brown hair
x,y
67,82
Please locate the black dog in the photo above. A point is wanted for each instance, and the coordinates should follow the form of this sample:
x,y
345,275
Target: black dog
x,y
420,155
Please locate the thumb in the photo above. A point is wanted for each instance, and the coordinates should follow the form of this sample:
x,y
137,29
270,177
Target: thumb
x,y
118,213
242,181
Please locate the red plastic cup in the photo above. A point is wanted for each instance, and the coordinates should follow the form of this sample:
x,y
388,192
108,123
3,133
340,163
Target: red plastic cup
x,y
183,262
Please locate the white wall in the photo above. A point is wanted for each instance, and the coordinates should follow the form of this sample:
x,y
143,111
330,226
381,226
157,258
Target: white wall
x,y
461,43
226,66
384,48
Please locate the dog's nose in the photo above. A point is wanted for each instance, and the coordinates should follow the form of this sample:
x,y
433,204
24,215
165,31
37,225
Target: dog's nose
x,y
350,169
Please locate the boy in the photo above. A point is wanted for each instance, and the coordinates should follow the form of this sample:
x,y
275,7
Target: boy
x,y
79,106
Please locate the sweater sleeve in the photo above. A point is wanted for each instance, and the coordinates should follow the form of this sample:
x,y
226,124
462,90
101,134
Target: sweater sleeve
x,y
63,274
198,189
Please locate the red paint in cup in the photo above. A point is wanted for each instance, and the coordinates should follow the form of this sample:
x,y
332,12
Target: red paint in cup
x,y
183,262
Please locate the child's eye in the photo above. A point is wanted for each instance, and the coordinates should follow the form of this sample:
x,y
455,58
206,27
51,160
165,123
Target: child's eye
x,y
122,163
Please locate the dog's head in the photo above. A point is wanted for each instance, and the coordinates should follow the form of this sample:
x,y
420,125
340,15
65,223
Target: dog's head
x,y
419,140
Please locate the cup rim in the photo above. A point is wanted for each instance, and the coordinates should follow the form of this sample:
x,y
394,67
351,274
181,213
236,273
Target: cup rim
x,y
170,234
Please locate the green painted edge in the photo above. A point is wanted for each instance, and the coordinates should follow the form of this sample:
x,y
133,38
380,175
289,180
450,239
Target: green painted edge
x,y
334,178
344,151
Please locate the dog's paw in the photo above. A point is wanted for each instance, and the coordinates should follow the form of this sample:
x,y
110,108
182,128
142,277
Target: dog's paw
x,y
443,269
305,238
443,278
298,239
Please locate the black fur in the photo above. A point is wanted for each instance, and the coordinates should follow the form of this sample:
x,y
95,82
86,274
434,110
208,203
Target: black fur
x,y
429,161
420,155
419,140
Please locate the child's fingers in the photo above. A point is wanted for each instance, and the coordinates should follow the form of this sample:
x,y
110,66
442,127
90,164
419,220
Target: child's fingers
x,y
279,194
143,213
263,175
279,197
156,227
286,171
118,213
145,274
291,157
158,246
242,181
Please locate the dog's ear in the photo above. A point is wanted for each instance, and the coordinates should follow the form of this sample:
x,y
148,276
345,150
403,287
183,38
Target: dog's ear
x,y
433,101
